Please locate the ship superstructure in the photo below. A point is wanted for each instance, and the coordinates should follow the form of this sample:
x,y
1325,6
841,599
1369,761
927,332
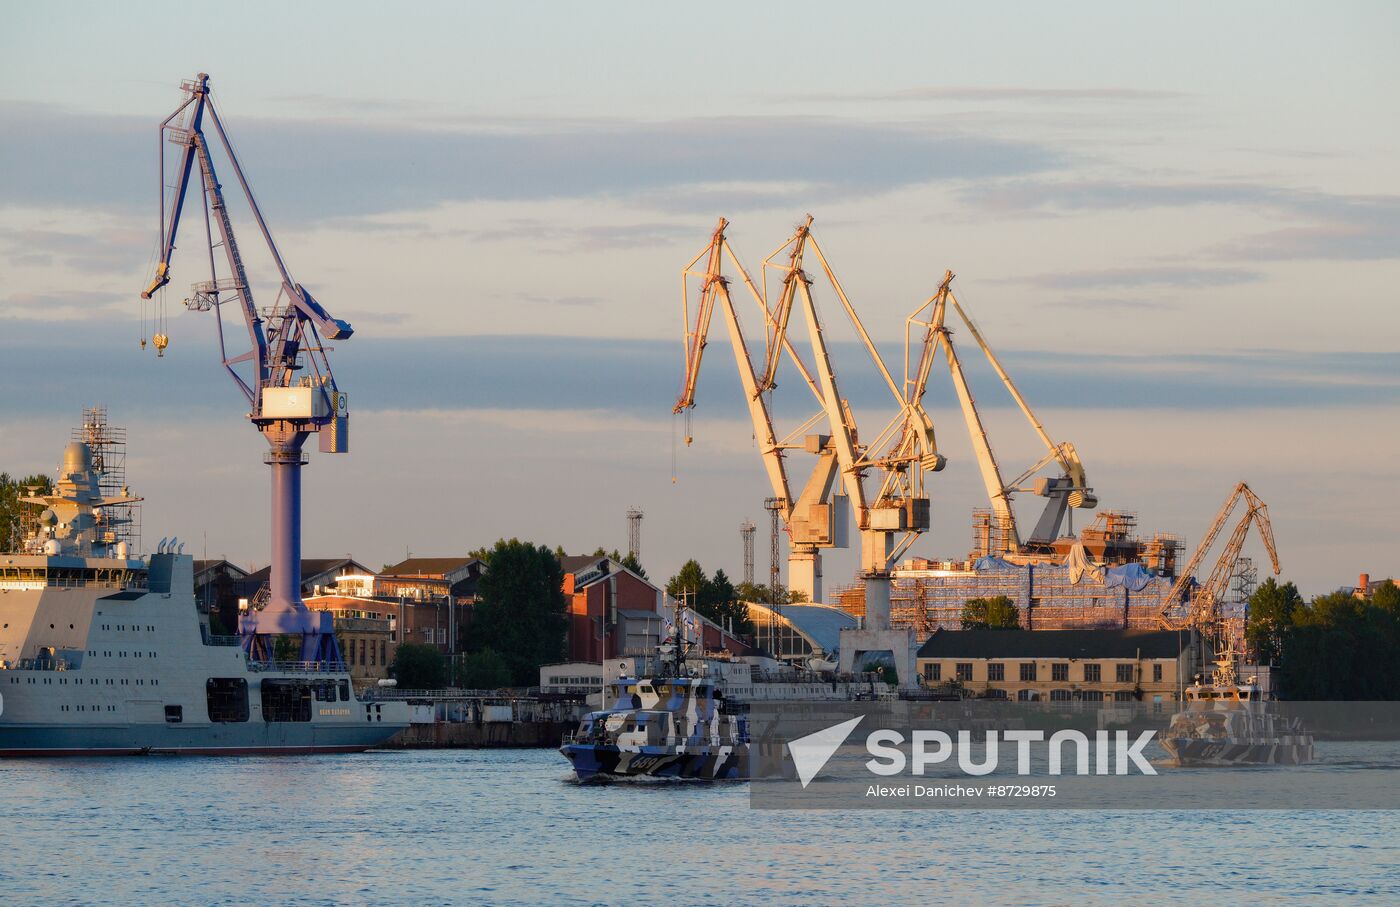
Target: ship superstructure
x,y
103,652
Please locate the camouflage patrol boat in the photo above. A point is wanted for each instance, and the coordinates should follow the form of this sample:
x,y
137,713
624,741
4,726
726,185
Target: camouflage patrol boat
x,y
1225,722
662,726
676,723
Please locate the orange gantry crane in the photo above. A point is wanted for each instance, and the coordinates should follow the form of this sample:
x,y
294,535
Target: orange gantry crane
x,y
1201,610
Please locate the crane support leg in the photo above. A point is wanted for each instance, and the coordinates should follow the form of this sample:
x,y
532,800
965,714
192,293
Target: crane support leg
x,y
285,458
805,571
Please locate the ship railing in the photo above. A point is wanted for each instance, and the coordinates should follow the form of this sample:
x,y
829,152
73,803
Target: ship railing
x,y
298,667
210,639
449,693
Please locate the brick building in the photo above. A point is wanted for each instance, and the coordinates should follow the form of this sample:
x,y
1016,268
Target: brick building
x,y
612,611
426,622
318,574
425,578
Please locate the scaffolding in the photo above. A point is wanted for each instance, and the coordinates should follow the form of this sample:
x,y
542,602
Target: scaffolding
x,y
117,522
1047,590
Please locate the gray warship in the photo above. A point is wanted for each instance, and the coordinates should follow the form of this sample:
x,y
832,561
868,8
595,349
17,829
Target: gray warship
x,y
103,652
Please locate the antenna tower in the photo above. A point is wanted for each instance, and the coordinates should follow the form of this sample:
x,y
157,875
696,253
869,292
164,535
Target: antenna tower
x,y
746,532
634,533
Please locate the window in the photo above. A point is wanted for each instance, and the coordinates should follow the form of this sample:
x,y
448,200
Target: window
x,y
286,700
1123,696
1028,670
372,653
1027,695
1092,696
383,652
1157,673
964,670
362,652
996,671
1060,695
1125,673
1059,671
1093,673
933,671
227,698
174,714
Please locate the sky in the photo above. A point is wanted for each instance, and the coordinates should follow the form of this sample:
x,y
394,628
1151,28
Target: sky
x,y
1179,225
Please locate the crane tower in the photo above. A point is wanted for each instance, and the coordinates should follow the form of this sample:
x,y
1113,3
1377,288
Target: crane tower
x,y
284,375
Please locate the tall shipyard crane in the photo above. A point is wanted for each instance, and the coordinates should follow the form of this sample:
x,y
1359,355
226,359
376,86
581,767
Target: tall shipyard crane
x,y
1201,610
815,519
1068,490
890,519
285,374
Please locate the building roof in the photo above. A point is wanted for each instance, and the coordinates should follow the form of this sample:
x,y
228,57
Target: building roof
x,y
315,566
437,567
1052,644
820,624
573,563
605,566
201,566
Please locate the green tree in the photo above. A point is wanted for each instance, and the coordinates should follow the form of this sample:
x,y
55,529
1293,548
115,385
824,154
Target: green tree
x,y
998,613
417,666
1270,615
714,598
753,592
522,612
1340,647
1387,597
484,670
12,522
722,604
286,648
628,560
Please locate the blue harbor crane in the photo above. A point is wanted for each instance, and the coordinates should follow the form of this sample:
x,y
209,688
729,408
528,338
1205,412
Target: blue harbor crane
x,y
285,373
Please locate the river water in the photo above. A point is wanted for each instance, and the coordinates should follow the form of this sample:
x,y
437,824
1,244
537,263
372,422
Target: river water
x,y
507,826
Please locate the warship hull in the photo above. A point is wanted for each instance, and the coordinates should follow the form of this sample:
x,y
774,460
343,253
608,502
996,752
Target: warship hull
x,y
90,668
87,740
595,761
1196,752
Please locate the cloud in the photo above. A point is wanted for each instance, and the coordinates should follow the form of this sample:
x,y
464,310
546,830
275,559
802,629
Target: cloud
x,y
990,93
642,377
1183,277
572,301
308,169
1323,225
112,247
69,305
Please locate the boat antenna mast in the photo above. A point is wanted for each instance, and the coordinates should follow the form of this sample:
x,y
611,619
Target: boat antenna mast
x,y
285,374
